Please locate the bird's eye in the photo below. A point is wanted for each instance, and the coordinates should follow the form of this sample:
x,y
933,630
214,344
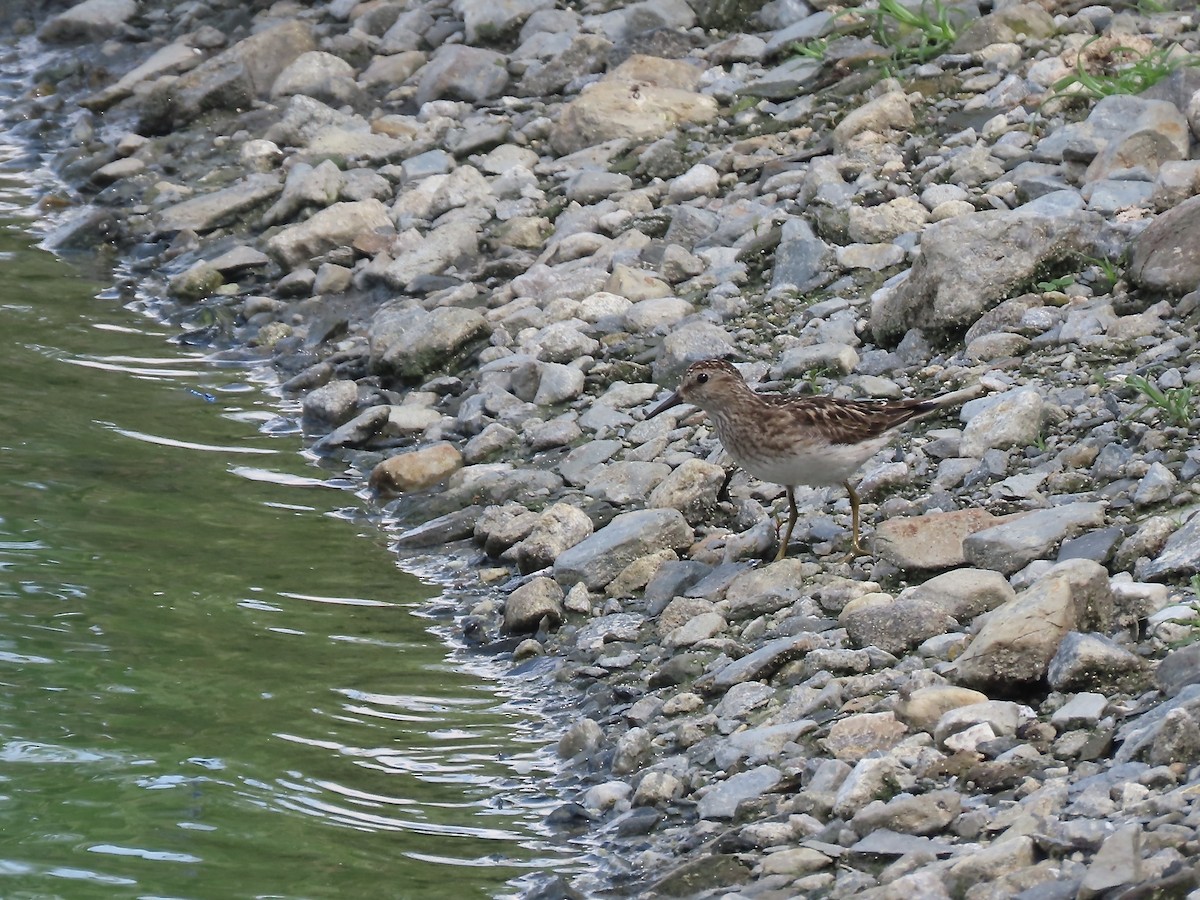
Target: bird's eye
x,y
702,378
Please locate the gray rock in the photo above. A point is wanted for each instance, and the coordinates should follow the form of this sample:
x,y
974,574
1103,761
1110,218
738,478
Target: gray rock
x,y
870,779
722,799
1180,556
1083,710
598,559
1178,669
765,590
226,206
761,663
1164,256
584,736
319,75
1118,862
923,814
305,186
691,488
946,290
458,72
1151,132
91,20
963,594
760,745
580,465
412,342
432,254
230,80
1094,662
742,699
699,628
987,864
1138,734
633,747
802,259
556,529
536,600
615,627
358,431
657,789
453,526
491,22
1014,543
1018,640
335,226
885,842
1012,419
332,403
896,626
624,483
586,54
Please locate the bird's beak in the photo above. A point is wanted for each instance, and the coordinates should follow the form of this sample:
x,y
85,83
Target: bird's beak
x,y
673,400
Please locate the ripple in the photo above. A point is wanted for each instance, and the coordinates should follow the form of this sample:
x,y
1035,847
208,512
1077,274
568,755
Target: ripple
x,y
155,855
184,445
36,752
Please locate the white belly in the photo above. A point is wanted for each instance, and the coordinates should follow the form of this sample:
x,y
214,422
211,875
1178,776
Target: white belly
x,y
818,466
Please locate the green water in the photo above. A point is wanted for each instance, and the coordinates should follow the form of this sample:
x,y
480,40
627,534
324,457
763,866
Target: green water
x,y
214,679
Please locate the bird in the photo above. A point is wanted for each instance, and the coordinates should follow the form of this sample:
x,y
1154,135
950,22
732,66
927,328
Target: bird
x,y
816,441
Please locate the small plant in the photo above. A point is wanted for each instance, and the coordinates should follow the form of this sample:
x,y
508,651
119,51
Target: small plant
x,y
1195,583
1110,272
914,35
1131,72
1055,284
1174,403
814,49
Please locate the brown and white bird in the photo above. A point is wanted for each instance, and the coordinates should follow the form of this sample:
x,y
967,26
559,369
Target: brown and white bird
x,y
816,441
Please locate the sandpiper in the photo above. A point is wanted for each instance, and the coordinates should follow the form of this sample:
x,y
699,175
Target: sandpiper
x,y
818,441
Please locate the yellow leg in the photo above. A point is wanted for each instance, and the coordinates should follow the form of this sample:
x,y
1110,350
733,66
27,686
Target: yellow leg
x,y
793,515
858,548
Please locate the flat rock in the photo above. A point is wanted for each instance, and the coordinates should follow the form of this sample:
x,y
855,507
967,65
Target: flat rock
x,y
1011,419
761,663
224,207
722,799
931,541
616,108
598,559
1022,538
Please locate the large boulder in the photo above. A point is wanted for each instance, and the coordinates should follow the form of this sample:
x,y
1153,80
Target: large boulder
x,y
970,263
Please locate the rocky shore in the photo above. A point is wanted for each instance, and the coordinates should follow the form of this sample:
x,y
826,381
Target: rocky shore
x,y
478,240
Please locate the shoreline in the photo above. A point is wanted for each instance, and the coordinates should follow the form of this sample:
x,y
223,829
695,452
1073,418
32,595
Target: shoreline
x,y
478,242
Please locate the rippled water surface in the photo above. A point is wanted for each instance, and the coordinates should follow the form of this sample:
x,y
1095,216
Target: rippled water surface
x,y
214,681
